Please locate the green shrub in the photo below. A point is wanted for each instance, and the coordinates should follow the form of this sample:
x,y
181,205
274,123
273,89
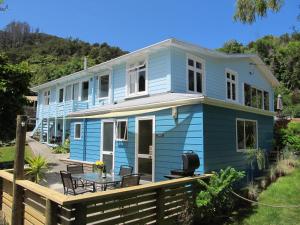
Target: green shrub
x,y
63,149
291,136
252,191
215,200
38,166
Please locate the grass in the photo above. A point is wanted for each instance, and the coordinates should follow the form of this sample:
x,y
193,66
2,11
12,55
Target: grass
x,y
8,153
285,191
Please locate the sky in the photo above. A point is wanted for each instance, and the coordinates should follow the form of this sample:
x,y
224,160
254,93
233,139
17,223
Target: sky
x,y
134,24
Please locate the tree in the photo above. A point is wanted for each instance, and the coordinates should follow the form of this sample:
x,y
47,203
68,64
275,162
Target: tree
x,y
232,46
14,82
248,10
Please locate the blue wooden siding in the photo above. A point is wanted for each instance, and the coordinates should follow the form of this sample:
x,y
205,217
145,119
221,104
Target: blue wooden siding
x,y
220,136
159,72
173,137
215,83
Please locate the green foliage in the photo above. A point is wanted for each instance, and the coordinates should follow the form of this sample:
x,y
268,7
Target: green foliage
x,y
14,82
290,100
248,10
37,168
48,56
63,149
232,46
216,200
256,155
291,136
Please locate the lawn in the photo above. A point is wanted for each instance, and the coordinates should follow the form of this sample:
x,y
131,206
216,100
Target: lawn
x,y
8,153
285,191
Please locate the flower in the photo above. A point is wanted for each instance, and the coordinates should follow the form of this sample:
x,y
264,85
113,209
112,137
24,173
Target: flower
x,y
99,163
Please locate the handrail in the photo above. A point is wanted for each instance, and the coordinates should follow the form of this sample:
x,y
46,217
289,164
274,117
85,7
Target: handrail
x,y
67,200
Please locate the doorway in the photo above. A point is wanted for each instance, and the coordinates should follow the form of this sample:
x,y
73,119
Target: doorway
x,y
107,153
145,147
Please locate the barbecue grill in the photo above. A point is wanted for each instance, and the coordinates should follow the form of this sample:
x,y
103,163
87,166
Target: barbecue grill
x,y
190,162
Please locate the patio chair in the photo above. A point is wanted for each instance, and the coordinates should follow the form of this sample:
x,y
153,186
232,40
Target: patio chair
x,y
125,170
130,180
76,169
69,187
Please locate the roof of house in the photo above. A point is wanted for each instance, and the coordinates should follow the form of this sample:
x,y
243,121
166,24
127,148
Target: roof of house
x,y
155,103
164,44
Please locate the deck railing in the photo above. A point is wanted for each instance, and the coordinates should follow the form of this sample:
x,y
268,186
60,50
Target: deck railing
x,y
151,203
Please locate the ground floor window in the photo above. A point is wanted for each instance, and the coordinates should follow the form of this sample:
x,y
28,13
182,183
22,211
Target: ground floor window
x,y
121,130
246,134
77,131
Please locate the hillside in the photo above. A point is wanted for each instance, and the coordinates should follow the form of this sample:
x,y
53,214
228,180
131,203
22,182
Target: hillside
x,y
50,57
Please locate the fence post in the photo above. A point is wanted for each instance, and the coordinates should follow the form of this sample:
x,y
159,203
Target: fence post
x,y
80,214
1,192
51,212
17,204
160,206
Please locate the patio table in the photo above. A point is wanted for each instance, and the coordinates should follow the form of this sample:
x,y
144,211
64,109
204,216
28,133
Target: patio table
x,y
96,178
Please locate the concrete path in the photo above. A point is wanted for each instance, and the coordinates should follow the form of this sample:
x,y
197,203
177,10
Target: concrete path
x,y
53,179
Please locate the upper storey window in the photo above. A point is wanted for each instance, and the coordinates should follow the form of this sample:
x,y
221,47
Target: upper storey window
x,y
61,95
231,85
137,78
84,90
103,86
194,74
75,91
255,97
47,97
68,95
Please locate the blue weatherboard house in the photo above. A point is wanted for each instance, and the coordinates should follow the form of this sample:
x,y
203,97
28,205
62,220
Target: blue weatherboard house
x,y
147,107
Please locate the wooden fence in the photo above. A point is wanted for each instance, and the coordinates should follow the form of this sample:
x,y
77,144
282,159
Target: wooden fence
x,y
153,203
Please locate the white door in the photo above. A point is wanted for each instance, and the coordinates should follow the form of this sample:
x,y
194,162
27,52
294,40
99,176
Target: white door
x,y
107,141
145,147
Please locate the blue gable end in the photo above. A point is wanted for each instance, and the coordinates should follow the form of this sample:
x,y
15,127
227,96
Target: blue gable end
x,y
220,137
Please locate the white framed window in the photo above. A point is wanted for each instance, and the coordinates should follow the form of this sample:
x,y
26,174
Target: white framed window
x,y
246,134
77,131
75,91
47,97
266,101
121,130
103,86
85,90
231,84
61,95
136,78
68,95
195,74
256,97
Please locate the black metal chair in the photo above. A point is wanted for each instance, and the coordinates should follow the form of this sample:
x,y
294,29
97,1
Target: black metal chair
x,y
125,170
130,180
69,187
76,169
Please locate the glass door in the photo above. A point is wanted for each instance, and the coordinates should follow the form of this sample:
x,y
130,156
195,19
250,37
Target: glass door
x,y
108,144
145,150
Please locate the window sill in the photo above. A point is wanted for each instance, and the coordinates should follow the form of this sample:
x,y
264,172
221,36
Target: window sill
x,y
244,150
121,140
102,98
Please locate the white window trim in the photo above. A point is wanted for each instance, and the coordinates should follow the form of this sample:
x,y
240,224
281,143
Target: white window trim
x,y
58,93
109,86
236,82
65,92
80,90
75,124
116,129
260,89
72,94
49,96
202,61
236,133
136,94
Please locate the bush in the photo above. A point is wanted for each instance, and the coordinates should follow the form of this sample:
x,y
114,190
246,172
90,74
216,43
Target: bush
x,y
215,200
37,168
291,136
63,149
252,191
